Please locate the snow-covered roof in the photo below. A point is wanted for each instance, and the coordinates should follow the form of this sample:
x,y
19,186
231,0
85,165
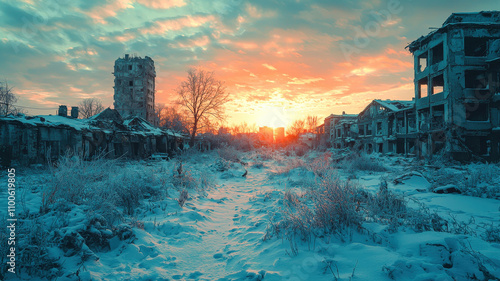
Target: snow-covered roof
x,y
49,121
396,105
135,125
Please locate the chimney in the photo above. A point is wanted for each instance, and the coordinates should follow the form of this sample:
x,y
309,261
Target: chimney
x,y
74,112
63,111
126,56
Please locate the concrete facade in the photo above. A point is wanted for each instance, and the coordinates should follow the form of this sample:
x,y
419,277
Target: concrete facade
x,y
135,87
386,126
457,95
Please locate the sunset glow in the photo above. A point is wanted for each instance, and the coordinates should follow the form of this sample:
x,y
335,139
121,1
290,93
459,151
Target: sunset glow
x,y
280,61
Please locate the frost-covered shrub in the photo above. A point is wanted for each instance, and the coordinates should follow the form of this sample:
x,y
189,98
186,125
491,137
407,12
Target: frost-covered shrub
x,y
229,153
301,150
221,165
362,162
387,205
321,165
265,153
291,164
33,244
74,179
479,180
184,180
183,196
491,233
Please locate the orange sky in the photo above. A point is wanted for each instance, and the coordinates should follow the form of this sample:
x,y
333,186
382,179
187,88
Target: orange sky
x,y
281,60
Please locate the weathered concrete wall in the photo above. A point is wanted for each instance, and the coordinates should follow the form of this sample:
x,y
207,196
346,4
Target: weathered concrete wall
x,y
135,87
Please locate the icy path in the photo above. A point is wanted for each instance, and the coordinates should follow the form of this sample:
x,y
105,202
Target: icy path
x,y
210,238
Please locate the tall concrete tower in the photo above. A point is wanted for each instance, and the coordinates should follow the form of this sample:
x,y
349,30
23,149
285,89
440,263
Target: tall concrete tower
x,y
135,87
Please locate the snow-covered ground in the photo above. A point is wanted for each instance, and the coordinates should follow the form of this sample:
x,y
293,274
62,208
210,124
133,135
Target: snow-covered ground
x,y
235,227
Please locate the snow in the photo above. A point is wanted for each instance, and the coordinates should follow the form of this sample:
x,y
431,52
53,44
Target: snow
x,y
221,232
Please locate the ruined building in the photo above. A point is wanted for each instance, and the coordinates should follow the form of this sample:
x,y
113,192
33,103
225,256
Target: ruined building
x,y
135,87
385,126
457,96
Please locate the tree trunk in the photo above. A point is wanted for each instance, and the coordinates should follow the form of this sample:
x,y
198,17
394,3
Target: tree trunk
x,y
193,134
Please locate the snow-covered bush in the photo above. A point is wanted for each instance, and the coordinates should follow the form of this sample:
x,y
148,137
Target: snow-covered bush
x,y
321,165
183,196
182,178
336,205
229,153
221,165
290,164
479,180
362,162
265,153
33,242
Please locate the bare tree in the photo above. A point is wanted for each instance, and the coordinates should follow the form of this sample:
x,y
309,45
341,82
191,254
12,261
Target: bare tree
x,y
171,117
90,107
8,100
297,128
311,123
204,97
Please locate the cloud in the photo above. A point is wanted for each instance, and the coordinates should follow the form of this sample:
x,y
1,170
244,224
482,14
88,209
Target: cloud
x,y
282,53
302,81
269,66
162,4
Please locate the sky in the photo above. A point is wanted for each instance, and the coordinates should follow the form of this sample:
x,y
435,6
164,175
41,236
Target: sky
x,y
280,60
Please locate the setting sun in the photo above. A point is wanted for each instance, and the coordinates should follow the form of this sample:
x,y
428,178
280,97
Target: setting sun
x,y
272,116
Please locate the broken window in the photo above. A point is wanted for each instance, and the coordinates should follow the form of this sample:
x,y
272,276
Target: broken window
x,y
368,130
437,116
475,111
437,84
338,133
475,47
437,53
422,87
379,128
422,62
129,67
411,121
476,79
131,83
362,130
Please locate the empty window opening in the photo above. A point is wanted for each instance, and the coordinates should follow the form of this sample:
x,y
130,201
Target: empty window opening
x,y
368,130
437,53
379,128
475,47
438,116
475,111
422,87
437,84
478,145
362,130
131,83
422,62
476,79
129,67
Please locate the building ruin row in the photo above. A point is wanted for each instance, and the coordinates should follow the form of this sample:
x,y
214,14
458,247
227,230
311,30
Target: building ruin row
x,y
456,104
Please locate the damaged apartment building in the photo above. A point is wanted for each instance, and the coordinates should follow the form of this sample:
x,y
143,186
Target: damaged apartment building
x,y
386,126
456,104
457,97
